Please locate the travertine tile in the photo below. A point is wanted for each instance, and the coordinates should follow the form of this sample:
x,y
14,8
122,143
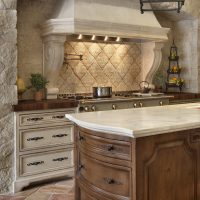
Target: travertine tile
x,y
103,64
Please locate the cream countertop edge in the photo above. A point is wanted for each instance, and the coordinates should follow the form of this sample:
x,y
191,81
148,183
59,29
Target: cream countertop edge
x,y
188,114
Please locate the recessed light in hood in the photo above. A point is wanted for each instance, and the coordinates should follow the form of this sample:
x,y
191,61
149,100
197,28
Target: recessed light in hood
x,y
179,4
101,38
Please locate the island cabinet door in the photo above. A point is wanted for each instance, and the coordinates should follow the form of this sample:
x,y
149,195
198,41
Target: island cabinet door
x,y
168,166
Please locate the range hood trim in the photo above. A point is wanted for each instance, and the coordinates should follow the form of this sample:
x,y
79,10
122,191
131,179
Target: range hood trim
x,y
70,26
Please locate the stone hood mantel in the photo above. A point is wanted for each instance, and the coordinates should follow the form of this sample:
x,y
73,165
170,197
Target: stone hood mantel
x,y
105,17
114,18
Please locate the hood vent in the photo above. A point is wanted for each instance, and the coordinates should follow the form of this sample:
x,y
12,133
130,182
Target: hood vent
x,y
101,20
112,18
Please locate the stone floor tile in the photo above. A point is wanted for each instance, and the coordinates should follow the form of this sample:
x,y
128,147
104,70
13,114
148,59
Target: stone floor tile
x,y
61,197
55,189
69,182
63,190
38,196
27,192
6,197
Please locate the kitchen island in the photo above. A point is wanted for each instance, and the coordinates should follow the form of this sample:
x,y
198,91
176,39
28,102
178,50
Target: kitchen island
x,y
138,154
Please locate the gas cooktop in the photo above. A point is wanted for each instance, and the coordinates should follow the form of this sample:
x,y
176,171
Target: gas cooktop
x,y
114,97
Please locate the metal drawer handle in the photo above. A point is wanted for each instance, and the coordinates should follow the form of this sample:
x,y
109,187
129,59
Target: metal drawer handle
x,y
111,181
60,135
35,119
35,163
110,147
60,159
35,139
58,117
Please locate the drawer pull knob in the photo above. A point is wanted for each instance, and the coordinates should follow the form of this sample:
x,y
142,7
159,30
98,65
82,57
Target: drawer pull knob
x,y
35,119
111,181
58,117
110,148
35,163
80,167
60,159
81,138
35,139
60,135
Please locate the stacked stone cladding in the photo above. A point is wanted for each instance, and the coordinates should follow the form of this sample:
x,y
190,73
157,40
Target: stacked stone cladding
x,y
8,92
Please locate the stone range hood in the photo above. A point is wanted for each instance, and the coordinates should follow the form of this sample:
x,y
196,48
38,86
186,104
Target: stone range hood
x,y
114,18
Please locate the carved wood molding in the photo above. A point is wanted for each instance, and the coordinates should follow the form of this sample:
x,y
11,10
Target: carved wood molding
x,y
192,154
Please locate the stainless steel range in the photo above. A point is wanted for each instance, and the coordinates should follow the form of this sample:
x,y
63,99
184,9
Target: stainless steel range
x,y
119,101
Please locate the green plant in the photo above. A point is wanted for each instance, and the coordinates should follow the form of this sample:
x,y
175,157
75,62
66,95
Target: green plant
x,y
38,81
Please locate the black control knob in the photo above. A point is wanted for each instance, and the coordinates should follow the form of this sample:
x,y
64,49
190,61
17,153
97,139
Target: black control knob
x,y
81,109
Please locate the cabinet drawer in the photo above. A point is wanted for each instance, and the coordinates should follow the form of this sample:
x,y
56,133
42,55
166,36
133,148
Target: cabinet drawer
x,y
110,178
43,118
45,137
85,196
46,161
107,147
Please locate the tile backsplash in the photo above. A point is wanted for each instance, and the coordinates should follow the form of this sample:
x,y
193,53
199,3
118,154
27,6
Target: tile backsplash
x,y
103,64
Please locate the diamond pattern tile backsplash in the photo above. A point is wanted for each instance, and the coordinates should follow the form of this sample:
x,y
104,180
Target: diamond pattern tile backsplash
x,y
103,64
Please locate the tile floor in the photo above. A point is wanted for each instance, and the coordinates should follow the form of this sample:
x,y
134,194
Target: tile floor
x,y
62,190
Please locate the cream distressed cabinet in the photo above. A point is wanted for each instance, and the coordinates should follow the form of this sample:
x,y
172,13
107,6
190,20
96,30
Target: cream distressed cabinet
x,y
43,146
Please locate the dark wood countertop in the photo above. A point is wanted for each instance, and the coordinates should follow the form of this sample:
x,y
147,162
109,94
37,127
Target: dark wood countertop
x,y
183,96
28,105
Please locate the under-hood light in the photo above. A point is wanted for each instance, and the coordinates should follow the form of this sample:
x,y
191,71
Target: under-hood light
x,y
118,39
93,37
106,38
80,37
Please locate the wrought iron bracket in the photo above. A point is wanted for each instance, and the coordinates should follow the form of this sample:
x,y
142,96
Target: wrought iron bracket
x,y
180,3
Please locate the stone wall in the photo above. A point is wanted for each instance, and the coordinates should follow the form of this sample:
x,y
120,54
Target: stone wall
x,y
8,97
31,15
185,34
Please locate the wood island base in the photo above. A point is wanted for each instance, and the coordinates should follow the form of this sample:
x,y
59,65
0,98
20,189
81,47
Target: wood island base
x,y
158,167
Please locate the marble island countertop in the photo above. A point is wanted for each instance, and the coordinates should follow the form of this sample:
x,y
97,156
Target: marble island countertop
x,y
141,122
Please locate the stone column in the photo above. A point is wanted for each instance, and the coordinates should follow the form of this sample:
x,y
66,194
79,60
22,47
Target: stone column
x,y
53,61
8,90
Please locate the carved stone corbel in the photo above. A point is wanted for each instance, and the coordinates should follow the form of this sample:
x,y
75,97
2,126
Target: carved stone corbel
x,y
152,57
53,61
